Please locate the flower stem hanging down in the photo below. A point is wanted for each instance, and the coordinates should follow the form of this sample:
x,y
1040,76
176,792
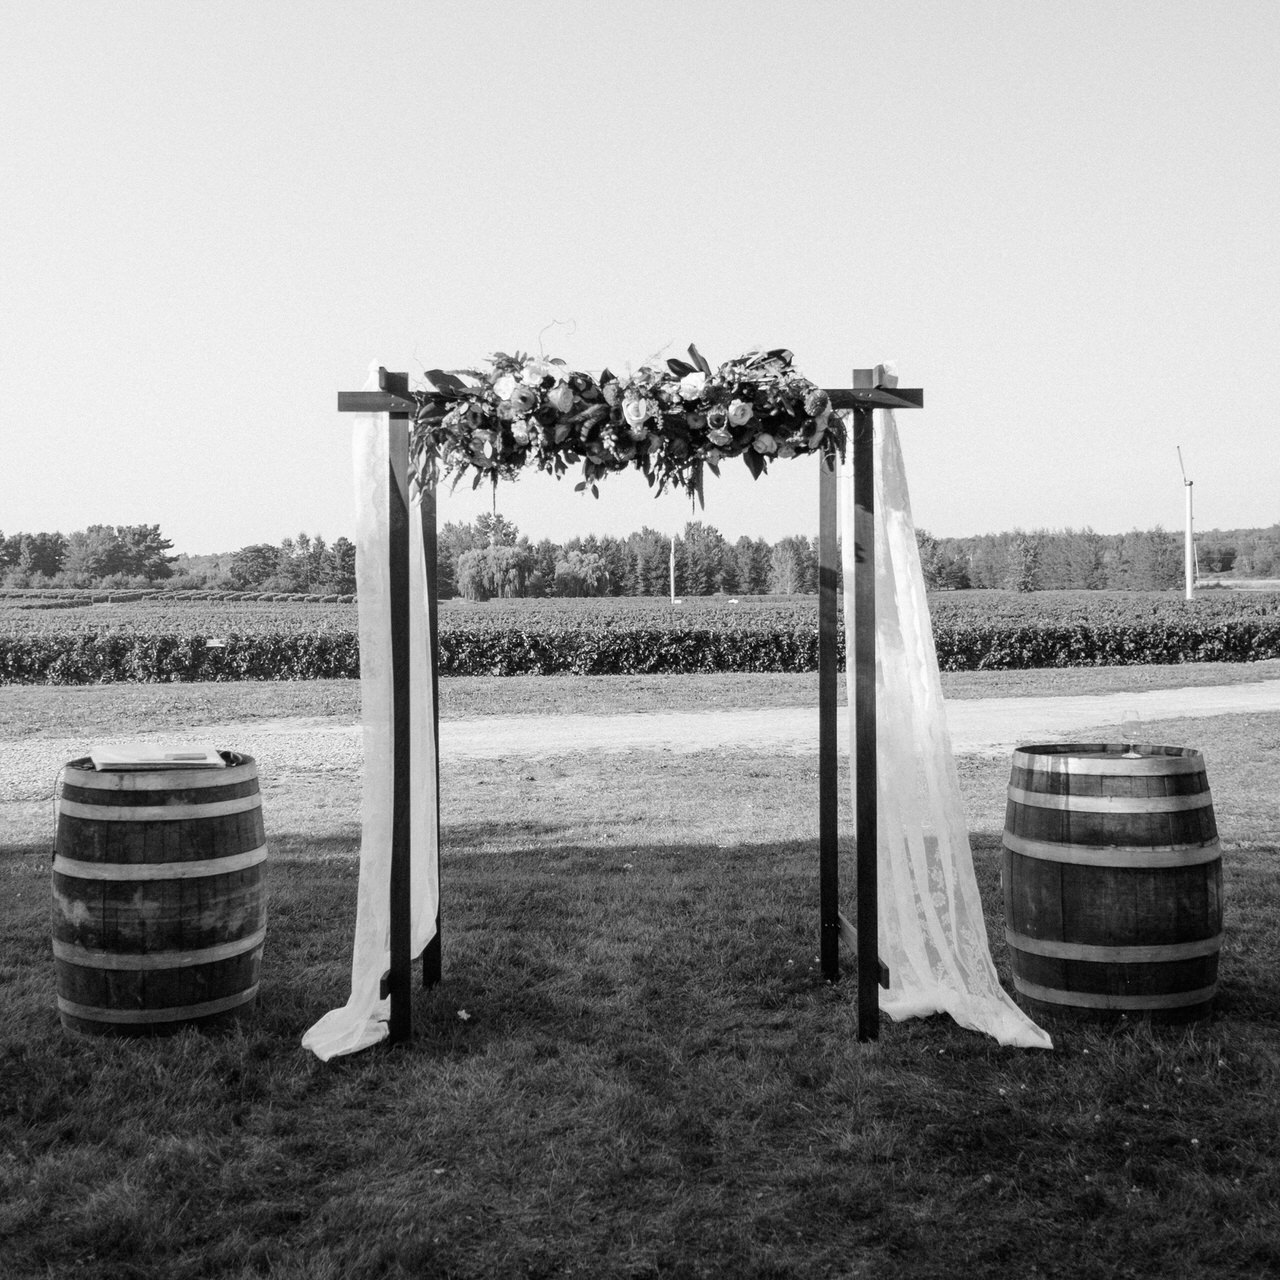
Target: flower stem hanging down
x,y
671,424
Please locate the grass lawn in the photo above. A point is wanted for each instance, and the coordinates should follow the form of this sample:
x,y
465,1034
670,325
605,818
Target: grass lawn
x,y
652,1079
56,709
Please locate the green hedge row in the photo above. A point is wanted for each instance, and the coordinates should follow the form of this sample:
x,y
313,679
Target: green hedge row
x,y
93,658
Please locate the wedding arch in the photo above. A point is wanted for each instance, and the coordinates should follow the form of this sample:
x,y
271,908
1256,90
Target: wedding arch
x,y
675,425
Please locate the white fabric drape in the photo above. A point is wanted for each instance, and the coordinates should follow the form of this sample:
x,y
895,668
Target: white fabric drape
x,y
362,1021
932,933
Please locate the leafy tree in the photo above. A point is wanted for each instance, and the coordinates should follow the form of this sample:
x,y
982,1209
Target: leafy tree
x,y
495,570
1259,554
1157,561
793,566
92,554
452,540
251,566
1217,552
496,530
1024,562
581,573
940,568
1083,562
142,551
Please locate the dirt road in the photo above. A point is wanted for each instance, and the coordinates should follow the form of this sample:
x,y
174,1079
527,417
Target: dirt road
x,y
979,726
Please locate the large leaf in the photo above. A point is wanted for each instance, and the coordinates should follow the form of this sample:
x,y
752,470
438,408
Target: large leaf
x,y
755,463
680,368
697,357
442,381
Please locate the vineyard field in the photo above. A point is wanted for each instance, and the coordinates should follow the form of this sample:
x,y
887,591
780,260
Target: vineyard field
x,y
160,638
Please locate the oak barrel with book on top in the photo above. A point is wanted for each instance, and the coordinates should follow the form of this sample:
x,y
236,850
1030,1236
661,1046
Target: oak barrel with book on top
x,y
159,898
1112,878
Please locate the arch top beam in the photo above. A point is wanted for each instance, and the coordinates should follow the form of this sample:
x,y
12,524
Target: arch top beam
x,y
394,396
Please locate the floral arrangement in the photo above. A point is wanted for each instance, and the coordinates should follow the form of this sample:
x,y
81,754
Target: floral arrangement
x,y
670,423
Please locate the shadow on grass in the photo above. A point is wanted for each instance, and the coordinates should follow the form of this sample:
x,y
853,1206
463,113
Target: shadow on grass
x,y
652,1078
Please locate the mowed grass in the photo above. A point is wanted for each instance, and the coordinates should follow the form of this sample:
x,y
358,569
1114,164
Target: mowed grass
x,y
652,1079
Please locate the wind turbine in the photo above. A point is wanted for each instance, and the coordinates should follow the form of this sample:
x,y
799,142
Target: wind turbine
x,y
1189,546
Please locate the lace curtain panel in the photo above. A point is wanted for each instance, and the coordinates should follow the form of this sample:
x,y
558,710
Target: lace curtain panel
x,y
362,1021
932,933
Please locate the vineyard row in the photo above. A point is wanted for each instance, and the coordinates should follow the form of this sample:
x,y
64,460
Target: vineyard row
x,y
555,646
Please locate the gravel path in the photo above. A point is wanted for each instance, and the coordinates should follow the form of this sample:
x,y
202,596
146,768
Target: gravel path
x,y
307,747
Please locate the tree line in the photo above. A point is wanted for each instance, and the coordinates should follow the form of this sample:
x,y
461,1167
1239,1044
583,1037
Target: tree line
x,y
132,556
490,559
1080,559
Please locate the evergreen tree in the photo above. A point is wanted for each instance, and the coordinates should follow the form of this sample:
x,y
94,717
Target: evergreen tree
x,y
753,559
542,573
342,570
651,553
700,556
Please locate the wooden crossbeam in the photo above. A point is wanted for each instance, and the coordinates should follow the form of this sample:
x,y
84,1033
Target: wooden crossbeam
x,y
395,397
876,397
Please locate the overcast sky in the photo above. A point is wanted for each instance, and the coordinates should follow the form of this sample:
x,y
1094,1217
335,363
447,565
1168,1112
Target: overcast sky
x,y
1059,219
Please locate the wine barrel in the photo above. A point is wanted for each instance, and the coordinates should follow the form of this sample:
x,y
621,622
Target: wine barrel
x,y
159,902
1112,878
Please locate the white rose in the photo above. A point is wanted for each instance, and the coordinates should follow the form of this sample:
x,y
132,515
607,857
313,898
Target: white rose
x,y
691,385
536,370
560,397
637,411
504,386
764,443
740,412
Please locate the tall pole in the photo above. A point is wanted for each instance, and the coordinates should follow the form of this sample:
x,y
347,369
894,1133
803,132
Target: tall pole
x,y
399,889
828,761
1189,542
1190,549
864,712
673,569
431,955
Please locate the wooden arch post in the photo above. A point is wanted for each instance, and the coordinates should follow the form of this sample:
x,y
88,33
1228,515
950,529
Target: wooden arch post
x,y
872,389
393,399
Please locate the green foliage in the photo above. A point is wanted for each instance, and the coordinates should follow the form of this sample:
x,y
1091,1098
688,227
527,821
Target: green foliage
x,y
161,639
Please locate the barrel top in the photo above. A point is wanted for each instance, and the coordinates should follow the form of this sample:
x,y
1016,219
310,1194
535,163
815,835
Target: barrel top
x,y
1108,757
240,768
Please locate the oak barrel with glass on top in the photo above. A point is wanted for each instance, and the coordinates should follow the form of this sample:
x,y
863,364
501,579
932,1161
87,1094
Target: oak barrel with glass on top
x,y
159,898
1112,878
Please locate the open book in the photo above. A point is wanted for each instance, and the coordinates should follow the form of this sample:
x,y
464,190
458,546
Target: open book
x,y
156,757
